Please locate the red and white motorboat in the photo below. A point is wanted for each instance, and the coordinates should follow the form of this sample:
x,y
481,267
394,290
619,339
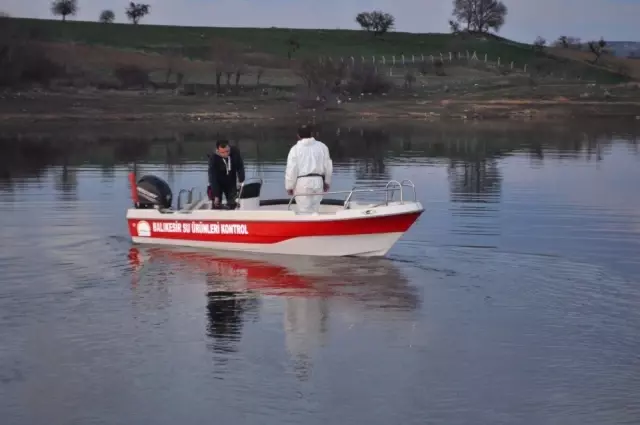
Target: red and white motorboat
x,y
342,227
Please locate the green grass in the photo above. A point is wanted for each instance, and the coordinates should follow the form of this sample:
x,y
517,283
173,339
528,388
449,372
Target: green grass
x,y
335,43
270,40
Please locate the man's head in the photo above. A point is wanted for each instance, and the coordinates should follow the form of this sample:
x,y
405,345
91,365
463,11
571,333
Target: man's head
x,y
222,148
304,131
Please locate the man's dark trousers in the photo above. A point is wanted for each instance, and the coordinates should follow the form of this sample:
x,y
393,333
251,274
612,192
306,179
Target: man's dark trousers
x,y
230,193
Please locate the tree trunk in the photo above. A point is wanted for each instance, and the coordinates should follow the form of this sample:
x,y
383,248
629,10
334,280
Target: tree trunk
x,y
218,78
237,88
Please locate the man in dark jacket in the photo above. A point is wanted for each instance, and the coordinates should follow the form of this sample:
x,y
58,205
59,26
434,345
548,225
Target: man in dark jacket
x,y
225,167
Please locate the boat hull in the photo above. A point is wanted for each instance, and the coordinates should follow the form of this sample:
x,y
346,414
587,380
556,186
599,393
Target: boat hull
x,y
331,246
367,233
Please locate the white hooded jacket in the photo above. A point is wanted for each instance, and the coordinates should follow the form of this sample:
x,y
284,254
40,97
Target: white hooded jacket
x,y
308,156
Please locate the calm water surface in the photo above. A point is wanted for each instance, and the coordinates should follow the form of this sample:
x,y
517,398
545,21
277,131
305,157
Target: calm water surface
x,y
513,300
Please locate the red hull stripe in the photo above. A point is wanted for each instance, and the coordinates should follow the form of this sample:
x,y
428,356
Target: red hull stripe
x,y
266,232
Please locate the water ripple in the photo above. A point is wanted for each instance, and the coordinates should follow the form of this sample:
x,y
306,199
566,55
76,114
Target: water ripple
x,y
513,299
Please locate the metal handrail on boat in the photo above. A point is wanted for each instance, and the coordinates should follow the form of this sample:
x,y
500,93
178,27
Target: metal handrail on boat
x,y
189,195
396,186
190,200
193,203
390,187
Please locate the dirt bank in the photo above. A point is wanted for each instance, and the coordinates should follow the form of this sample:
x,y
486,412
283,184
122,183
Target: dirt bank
x,y
41,108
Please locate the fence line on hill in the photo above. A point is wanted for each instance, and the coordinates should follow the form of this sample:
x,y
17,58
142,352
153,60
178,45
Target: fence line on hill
x,y
392,61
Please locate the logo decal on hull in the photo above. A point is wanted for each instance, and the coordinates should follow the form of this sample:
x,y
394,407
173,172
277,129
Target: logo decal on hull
x,y
143,229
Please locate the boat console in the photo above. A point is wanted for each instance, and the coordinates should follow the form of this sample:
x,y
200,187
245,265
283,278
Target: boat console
x,y
249,195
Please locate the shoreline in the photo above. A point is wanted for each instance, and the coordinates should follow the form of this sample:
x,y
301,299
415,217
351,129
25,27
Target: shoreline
x,y
35,109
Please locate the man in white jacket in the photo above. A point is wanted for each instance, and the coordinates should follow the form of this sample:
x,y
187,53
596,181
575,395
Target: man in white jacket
x,y
309,169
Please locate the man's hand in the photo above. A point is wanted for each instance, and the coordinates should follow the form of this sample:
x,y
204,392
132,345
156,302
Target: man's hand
x,y
326,187
290,192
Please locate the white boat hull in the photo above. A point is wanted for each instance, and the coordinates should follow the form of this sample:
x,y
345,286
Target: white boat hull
x,y
366,231
328,246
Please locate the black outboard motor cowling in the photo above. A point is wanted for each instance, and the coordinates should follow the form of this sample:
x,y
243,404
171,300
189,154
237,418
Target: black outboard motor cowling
x,y
153,192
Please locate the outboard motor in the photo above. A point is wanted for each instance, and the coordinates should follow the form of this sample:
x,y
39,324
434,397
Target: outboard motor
x,y
249,196
153,192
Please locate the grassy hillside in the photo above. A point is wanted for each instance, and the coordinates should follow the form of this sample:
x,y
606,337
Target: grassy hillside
x,y
616,64
196,42
98,49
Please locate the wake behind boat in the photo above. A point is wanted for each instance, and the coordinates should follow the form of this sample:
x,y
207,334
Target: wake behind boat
x,y
342,227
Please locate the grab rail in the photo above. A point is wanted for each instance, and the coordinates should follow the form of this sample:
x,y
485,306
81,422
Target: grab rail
x,y
190,200
191,192
390,187
179,204
396,186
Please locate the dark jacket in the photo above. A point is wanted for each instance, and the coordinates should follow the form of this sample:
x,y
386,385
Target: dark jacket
x,y
223,172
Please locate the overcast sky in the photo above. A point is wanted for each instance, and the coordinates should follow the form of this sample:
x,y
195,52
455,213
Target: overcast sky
x,y
587,19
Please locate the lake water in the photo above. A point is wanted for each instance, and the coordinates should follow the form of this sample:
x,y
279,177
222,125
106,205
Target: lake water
x,y
513,300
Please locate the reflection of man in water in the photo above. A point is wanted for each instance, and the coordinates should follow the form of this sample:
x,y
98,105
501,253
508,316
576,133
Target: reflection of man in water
x,y
225,320
305,328
225,310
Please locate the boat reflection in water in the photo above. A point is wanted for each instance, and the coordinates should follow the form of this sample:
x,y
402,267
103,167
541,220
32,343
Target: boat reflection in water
x,y
355,290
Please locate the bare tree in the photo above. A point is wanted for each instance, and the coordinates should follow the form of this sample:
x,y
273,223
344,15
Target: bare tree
x,y
229,73
307,70
366,79
454,26
409,79
597,48
22,59
480,15
574,43
241,69
172,55
132,75
107,16
364,20
64,8
292,46
321,78
463,11
259,74
377,21
137,11
225,56
568,42
490,14
438,65
539,44
562,41
179,79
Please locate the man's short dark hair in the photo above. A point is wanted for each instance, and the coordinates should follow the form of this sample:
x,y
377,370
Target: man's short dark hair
x,y
304,132
222,143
